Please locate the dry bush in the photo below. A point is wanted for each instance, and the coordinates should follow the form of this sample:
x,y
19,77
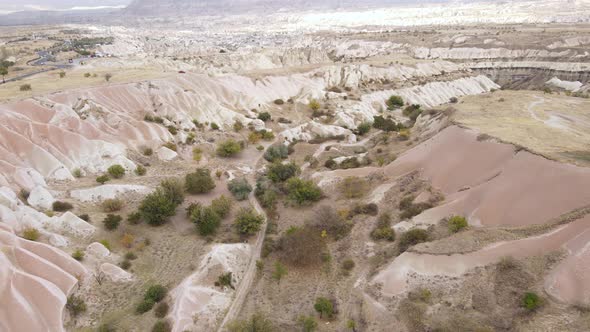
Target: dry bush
x,y
327,219
354,187
301,247
112,205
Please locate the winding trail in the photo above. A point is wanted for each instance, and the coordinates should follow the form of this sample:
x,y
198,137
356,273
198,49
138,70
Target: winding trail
x,y
244,286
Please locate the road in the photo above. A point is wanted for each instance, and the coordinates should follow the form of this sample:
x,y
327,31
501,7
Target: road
x,y
43,59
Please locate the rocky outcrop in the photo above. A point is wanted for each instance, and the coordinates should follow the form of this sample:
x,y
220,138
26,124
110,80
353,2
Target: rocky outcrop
x,y
35,281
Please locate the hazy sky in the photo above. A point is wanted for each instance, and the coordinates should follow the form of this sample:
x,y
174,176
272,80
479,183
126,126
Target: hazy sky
x,y
11,6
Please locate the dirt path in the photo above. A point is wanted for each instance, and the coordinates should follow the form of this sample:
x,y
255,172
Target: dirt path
x,y
244,286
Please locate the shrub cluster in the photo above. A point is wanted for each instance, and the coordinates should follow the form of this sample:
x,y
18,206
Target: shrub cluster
x,y
111,222
385,124
412,237
276,153
264,116
394,102
116,171
325,307
158,206
279,172
208,218
303,191
457,224
112,205
248,222
228,148
409,209
383,230
153,295
412,112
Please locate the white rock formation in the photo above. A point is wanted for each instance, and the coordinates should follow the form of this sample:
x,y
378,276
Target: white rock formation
x,y
35,280
166,154
115,273
196,300
566,85
40,198
313,129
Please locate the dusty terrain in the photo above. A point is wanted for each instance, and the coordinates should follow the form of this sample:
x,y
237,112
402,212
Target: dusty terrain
x,y
463,205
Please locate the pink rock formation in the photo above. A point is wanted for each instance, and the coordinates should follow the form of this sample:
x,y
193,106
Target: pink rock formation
x,y
35,280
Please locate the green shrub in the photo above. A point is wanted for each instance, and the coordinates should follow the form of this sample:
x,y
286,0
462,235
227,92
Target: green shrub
x,y
412,237
134,218
228,148
225,280
75,305
457,223
279,102
308,323
106,244
383,230
238,126
173,131
240,188
25,87
140,170
162,326
214,126
264,116
148,152
364,128
531,301
302,191
111,222
145,306
412,112
384,124
31,234
102,179
161,310
61,206
222,206
248,222
314,105
394,102
112,205
324,307
174,190
199,182
156,208
155,293
206,220
116,171
279,172
276,152
78,255
77,173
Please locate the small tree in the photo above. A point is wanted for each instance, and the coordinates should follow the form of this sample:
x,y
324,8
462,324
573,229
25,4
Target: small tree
x,y
199,182
240,188
394,102
248,222
116,171
457,223
279,272
228,148
111,222
174,190
302,191
156,208
279,172
222,206
206,220
324,307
